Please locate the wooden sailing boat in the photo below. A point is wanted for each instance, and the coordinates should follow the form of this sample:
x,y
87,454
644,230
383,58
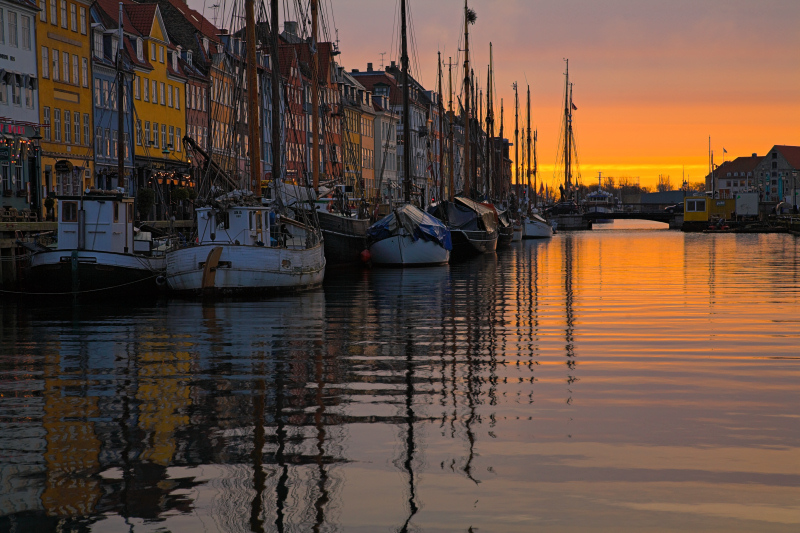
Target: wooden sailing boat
x,y
245,243
566,215
535,227
408,236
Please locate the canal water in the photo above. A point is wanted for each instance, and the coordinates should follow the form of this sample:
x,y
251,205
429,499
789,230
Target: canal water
x,y
624,379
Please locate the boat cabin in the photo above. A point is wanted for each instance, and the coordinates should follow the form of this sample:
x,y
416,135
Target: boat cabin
x,y
704,209
249,226
99,221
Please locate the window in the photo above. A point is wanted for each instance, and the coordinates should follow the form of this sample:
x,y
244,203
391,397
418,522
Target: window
x,y
43,10
163,100
147,132
75,78
146,86
63,13
76,125
46,121
169,96
86,130
193,97
26,33
28,97
164,135
696,206
203,100
98,96
56,55
107,142
139,49
2,28
112,97
98,44
69,211
104,100
172,137
136,84
85,71
45,62
152,51
73,17
65,66
12,29
161,54
205,137
177,98
125,97
16,98
83,21
53,13
139,132
126,140
67,126
57,125
114,144
178,139
188,100
155,135
155,92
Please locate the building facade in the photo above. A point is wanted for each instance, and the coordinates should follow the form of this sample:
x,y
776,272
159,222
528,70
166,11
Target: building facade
x,y
777,175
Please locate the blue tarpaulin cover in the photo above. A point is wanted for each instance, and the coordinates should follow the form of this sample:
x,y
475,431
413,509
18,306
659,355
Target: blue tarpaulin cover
x,y
418,224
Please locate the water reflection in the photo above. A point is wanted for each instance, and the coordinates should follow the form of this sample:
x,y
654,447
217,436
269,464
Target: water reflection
x,y
425,399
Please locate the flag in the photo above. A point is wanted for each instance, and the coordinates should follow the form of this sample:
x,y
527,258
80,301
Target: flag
x,y
574,107
724,151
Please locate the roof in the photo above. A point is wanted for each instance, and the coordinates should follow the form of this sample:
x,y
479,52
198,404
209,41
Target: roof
x,y
790,153
738,166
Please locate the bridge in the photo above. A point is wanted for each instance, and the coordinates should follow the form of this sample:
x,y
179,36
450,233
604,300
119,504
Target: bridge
x,y
666,218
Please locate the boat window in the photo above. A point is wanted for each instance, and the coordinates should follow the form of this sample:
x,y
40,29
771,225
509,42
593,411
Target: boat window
x,y
130,212
116,212
69,211
223,220
259,221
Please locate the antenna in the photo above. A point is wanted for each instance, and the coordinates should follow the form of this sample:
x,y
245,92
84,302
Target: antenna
x,y
215,7
382,64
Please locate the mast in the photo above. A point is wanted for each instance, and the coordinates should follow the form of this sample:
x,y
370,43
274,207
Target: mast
x,y
502,151
467,127
489,129
528,170
252,97
406,125
451,183
314,98
535,166
120,109
567,119
276,94
516,141
441,133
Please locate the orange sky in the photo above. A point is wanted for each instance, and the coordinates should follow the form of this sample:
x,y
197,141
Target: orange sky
x,y
653,78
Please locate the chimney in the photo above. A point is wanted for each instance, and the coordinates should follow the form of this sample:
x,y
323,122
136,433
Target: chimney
x,y
755,155
369,67
290,27
355,71
393,66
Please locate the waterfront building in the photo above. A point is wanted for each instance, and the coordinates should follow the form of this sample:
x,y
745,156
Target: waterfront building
x,y
105,79
777,175
733,177
19,106
63,38
386,122
351,132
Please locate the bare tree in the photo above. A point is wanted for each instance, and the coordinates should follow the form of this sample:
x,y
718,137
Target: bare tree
x,y
664,184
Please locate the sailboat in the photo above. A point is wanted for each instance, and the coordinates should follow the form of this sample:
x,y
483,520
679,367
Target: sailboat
x,y
99,251
408,236
246,243
600,201
534,226
566,214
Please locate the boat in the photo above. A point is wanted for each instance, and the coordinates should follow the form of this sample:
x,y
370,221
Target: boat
x,y
99,252
408,236
247,244
519,230
535,227
505,230
566,214
473,226
344,232
600,201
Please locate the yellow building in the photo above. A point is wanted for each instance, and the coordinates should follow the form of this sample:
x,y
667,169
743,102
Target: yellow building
x,y
159,86
65,95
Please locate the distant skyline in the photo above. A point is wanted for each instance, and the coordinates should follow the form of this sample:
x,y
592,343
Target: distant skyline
x,y
652,79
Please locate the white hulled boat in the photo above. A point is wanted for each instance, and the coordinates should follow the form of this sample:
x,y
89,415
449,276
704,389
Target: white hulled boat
x,y
99,252
535,227
409,236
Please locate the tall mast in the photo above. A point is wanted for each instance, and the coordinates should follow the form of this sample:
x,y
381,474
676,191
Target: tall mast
x,y
567,118
121,109
252,97
489,129
535,165
314,98
451,183
528,170
467,127
502,151
441,133
406,125
516,141
276,94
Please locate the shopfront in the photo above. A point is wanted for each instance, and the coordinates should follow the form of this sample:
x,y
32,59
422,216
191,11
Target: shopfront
x,y
19,166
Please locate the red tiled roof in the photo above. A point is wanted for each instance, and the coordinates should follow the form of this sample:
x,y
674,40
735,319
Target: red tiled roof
x,y
201,24
791,154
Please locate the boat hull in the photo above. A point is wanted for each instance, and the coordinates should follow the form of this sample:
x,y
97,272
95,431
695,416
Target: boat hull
x,y
402,250
345,238
535,229
505,237
244,270
472,243
518,231
93,273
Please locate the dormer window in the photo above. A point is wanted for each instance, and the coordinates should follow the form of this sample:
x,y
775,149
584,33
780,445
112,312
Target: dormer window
x,y
98,44
189,57
205,44
140,49
174,61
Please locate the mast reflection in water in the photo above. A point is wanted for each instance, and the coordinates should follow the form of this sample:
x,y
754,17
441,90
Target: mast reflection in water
x,y
424,399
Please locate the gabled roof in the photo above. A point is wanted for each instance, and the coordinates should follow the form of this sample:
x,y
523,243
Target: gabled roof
x,y
739,165
790,153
